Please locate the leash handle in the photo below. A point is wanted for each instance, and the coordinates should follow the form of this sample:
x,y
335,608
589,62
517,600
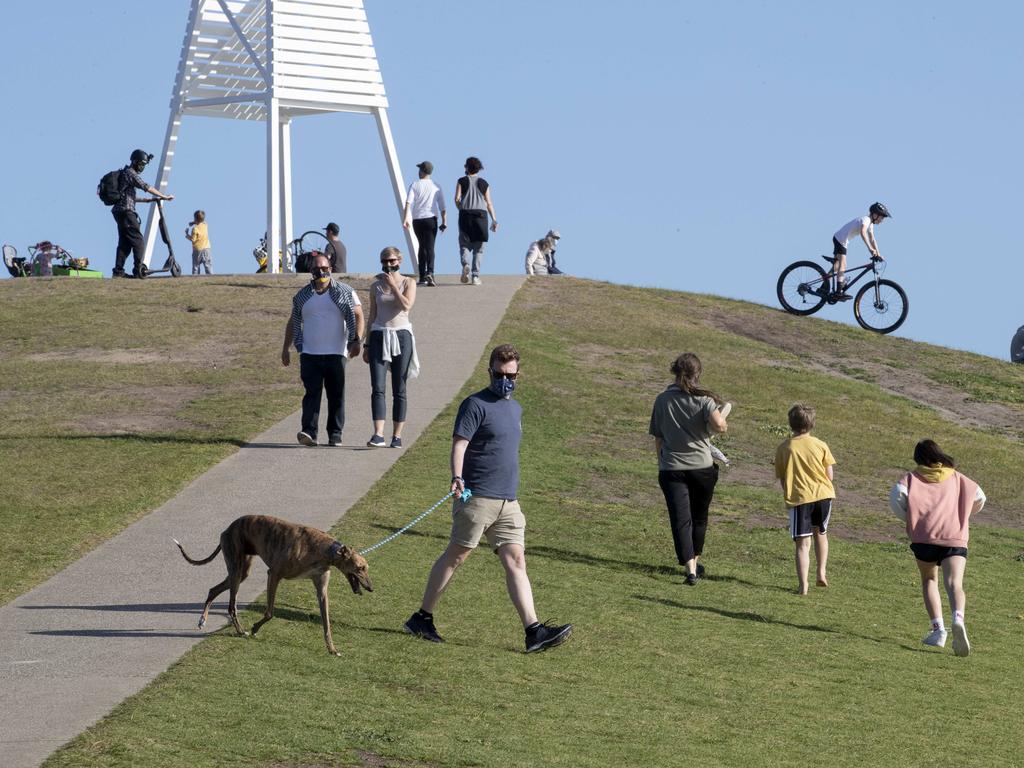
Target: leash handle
x,y
465,496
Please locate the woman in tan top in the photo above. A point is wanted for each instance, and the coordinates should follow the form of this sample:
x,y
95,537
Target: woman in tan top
x,y
390,344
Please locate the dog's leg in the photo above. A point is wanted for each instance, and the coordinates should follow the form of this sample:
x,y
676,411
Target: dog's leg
x,y
273,579
214,591
321,582
236,578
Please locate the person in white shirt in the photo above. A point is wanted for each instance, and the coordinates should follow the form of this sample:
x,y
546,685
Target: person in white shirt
x,y
325,326
863,227
423,204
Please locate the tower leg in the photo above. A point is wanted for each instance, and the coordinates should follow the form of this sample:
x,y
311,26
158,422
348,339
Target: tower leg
x,y
162,175
397,184
286,195
273,183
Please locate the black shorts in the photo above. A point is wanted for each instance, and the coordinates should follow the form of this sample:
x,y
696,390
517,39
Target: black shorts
x,y
803,517
936,553
838,249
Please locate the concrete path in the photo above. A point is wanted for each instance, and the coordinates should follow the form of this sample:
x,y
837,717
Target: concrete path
x,y
76,646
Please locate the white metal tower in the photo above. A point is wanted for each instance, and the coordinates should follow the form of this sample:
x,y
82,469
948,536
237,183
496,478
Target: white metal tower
x,y
274,60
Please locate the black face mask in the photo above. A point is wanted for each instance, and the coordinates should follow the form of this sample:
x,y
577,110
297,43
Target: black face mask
x,y
385,268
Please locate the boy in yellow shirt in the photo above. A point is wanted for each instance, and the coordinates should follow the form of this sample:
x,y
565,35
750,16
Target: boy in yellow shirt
x,y
197,233
803,465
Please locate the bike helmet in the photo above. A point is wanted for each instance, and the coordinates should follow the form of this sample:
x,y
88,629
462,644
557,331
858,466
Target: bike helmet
x,y
140,156
880,210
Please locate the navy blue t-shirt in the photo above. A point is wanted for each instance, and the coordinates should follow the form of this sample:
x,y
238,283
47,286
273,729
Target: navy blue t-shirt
x,y
493,426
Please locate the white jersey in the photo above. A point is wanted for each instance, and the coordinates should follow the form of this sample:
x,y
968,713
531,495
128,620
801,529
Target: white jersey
x,y
425,199
849,231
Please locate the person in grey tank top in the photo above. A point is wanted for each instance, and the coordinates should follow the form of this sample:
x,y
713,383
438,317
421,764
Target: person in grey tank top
x,y
473,199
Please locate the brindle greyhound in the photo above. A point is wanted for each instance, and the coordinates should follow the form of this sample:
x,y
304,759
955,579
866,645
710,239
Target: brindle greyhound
x,y
291,551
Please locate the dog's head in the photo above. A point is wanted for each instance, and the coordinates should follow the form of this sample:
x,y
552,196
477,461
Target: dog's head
x,y
354,566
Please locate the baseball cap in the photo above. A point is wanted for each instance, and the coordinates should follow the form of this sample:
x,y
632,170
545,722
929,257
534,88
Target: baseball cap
x,y
554,233
332,228
426,166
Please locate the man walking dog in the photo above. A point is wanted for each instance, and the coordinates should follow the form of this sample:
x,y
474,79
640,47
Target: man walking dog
x,y
485,459
325,325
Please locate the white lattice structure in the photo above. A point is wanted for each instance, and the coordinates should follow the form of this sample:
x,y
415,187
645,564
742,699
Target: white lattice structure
x,y
275,60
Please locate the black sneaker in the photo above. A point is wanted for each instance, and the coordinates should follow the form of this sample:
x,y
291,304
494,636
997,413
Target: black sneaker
x,y
422,626
700,570
540,637
691,579
430,281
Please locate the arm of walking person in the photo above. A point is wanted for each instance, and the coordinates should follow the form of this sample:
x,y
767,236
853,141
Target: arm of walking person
x,y
459,446
979,501
898,501
289,334
353,338
490,209
716,423
404,296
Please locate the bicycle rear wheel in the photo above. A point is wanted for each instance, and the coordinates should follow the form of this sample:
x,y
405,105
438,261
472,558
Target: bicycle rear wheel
x,y
799,286
882,310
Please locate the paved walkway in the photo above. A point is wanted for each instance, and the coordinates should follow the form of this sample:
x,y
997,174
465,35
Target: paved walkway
x,y
76,646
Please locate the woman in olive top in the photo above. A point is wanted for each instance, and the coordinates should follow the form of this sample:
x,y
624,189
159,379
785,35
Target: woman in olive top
x,y
682,422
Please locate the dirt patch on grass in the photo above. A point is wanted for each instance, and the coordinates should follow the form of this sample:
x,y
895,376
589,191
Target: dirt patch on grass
x,y
206,352
948,402
137,410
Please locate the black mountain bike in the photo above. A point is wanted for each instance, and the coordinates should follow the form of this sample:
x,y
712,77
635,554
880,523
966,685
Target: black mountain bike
x,y
880,306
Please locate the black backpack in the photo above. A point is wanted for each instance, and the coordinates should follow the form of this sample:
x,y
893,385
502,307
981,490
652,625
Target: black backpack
x,y
109,188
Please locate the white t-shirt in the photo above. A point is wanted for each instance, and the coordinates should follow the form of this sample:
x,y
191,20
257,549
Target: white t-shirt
x,y
323,328
425,199
853,229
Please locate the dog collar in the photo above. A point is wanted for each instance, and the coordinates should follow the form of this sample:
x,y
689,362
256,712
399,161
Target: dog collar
x,y
335,549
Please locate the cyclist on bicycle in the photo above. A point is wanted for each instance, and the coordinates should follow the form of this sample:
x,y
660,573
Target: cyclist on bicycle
x,y
864,226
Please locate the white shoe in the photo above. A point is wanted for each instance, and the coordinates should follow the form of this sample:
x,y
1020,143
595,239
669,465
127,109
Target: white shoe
x,y
961,645
937,637
725,410
465,273
476,281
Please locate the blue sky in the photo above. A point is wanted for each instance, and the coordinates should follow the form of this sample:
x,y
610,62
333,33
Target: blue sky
x,y
696,146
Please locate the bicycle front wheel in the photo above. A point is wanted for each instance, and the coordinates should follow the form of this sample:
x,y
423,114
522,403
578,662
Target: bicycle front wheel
x,y
881,306
800,286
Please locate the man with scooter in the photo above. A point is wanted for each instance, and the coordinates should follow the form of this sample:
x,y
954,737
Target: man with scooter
x,y
129,226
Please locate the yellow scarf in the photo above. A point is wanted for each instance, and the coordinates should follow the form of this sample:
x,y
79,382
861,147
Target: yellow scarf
x,y
935,473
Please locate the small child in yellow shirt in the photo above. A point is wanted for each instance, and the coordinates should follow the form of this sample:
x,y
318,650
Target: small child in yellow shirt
x,y
803,465
197,233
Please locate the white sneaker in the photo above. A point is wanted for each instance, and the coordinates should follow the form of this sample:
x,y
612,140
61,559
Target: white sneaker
x,y
937,637
465,273
725,410
476,281
961,645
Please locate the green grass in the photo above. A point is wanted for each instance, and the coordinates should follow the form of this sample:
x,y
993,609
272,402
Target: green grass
x,y
737,671
116,394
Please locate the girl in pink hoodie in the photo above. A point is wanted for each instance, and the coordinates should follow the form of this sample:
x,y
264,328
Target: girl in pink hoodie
x,y
937,502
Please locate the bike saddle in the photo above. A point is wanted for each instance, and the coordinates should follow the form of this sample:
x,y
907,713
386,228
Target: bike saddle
x,y
829,259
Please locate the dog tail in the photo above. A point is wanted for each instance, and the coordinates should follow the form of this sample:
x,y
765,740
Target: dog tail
x,y
196,562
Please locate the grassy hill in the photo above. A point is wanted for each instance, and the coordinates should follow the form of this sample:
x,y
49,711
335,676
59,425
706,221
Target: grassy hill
x,y
737,670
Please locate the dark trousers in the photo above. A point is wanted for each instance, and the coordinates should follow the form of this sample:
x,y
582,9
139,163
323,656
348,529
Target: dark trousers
x,y
426,233
129,240
320,373
399,374
688,495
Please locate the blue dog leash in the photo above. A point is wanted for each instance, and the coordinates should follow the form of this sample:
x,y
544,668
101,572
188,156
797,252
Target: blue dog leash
x,y
466,493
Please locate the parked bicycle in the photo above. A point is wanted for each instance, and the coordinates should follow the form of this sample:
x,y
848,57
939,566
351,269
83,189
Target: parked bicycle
x,y
880,306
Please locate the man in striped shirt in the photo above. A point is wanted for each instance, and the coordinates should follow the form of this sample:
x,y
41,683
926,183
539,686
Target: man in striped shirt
x,y
325,325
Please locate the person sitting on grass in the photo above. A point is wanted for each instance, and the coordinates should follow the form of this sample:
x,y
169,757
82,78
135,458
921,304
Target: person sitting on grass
x,y
937,502
803,466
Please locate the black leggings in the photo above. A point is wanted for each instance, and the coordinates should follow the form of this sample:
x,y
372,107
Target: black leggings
x,y
426,234
688,495
399,366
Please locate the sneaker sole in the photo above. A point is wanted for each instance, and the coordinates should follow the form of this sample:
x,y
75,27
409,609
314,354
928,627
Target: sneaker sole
x,y
306,440
465,274
552,642
421,636
961,645
376,445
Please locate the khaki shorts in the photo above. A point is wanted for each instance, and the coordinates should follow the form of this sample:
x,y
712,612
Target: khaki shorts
x,y
503,522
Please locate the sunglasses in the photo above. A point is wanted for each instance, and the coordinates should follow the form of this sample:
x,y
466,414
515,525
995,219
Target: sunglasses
x,y
509,376
322,272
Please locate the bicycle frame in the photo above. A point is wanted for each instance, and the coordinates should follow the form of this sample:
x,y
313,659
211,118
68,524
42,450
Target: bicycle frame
x,y
871,266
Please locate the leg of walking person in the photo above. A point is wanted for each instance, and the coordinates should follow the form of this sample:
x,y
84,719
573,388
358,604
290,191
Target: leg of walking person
x,y
378,382
311,372
513,560
478,258
677,499
953,575
701,484
441,574
930,589
133,228
803,562
821,555
399,378
334,384
426,235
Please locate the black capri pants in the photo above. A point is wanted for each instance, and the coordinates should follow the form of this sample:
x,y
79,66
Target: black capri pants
x,y
399,374
688,495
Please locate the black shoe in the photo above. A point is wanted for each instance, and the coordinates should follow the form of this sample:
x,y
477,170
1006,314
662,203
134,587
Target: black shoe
x,y
430,281
422,626
540,637
700,570
691,579
844,296
118,273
